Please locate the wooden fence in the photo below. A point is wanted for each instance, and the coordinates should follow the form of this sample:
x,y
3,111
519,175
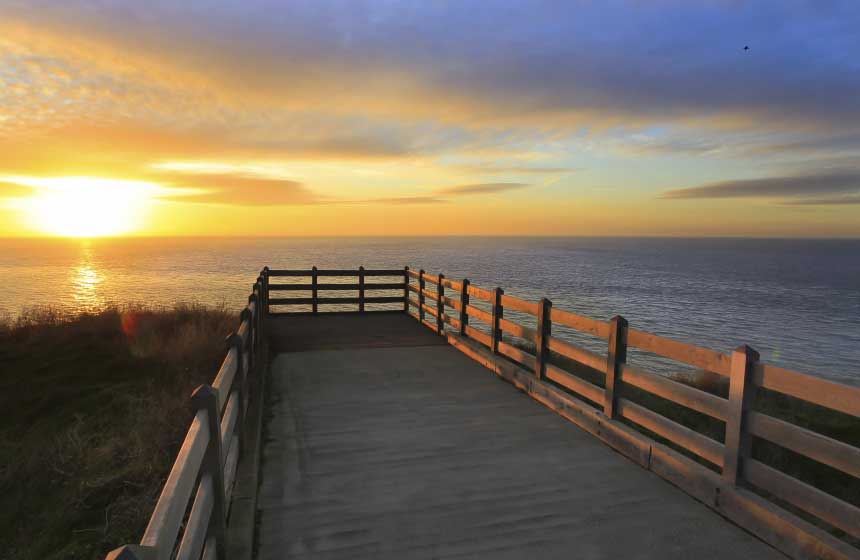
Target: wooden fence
x,y
795,516
205,468
312,286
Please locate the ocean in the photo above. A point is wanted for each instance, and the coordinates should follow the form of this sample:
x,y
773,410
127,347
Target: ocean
x,y
796,301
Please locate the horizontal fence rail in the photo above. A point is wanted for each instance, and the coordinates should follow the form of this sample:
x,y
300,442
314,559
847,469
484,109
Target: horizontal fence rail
x,y
312,287
599,391
189,519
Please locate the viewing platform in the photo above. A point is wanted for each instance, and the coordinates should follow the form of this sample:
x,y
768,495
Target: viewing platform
x,y
428,423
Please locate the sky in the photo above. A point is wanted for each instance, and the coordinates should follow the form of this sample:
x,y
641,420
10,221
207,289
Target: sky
x,y
430,118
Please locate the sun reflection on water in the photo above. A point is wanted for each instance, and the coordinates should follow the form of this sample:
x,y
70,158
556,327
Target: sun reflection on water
x,y
86,280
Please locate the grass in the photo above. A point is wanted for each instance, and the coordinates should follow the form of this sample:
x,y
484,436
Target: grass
x,y
95,407
828,422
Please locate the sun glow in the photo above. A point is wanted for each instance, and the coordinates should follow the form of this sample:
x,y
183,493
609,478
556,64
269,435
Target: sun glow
x,y
85,206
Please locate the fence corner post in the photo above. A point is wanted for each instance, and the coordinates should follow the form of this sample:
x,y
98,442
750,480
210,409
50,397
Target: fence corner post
x,y
206,398
406,289
615,358
498,311
361,289
544,329
421,283
741,397
464,302
314,290
440,304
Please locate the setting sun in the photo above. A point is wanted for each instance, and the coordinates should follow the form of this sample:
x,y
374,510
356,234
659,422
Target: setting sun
x,y
85,206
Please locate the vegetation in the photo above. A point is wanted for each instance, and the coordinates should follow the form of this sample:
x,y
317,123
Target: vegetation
x,y
95,407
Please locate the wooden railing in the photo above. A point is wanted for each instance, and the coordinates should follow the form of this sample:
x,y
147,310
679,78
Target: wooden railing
x,y
317,281
723,470
205,468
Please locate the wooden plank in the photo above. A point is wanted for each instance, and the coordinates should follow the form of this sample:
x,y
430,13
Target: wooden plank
x,y
452,284
823,449
167,516
429,309
706,448
575,384
428,324
518,304
406,286
315,294
194,536
231,463
829,394
702,358
615,358
336,272
226,374
412,274
432,295
586,357
580,323
335,300
412,288
544,329
421,288
440,301
479,314
517,329
475,334
361,289
480,293
692,398
430,278
498,312
333,287
228,421
515,353
451,321
741,397
774,525
452,303
834,511
464,304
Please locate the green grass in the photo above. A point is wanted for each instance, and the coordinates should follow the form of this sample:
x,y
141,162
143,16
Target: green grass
x,y
95,407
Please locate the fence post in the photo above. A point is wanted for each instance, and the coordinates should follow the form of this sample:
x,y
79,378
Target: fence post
x,y
265,275
616,356
254,322
464,301
206,398
361,289
741,396
235,341
314,290
406,289
421,295
440,304
498,311
544,329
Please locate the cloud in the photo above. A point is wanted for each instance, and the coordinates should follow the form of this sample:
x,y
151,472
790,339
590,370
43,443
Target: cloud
x,y
845,200
238,190
811,184
480,188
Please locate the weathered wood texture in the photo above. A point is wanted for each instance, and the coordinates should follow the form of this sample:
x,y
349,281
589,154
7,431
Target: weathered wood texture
x,y
206,465
417,452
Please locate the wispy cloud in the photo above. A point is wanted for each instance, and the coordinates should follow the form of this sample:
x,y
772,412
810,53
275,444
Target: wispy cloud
x,y
239,190
802,186
480,188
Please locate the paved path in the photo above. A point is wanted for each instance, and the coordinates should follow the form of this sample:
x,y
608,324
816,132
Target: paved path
x,y
409,449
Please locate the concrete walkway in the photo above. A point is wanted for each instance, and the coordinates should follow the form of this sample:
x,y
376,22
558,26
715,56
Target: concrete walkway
x,y
409,449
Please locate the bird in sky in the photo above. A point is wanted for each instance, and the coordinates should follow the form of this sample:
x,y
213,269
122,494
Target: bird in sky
x,y
747,47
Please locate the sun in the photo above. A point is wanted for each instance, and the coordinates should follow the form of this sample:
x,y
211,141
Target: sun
x,y
85,206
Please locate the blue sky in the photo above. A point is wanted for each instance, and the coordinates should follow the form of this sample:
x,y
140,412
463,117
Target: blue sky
x,y
651,110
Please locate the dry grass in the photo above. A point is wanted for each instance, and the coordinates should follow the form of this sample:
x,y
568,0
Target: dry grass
x,y
95,407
